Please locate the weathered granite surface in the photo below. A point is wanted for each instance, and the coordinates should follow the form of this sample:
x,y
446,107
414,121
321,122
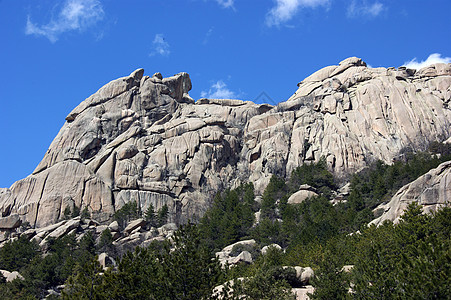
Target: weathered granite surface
x,y
144,139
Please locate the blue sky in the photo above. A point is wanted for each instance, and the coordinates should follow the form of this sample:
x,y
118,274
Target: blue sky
x,y
54,54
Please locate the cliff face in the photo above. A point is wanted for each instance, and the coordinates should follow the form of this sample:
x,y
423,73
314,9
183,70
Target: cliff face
x,y
144,139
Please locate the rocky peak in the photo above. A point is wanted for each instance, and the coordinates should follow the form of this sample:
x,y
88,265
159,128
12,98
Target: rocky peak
x,y
144,139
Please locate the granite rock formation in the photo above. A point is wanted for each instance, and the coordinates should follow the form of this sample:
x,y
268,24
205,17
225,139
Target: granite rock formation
x,y
144,139
431,191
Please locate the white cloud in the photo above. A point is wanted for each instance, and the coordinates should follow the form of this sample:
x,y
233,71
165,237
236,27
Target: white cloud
x,y
219,90
284,10
364,9
434,58
74,15
225,3
160,46
207,36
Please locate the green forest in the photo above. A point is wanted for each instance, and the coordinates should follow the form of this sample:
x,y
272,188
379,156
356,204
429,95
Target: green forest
x,y
407,260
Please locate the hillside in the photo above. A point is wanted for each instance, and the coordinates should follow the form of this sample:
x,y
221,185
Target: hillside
x,y
283,196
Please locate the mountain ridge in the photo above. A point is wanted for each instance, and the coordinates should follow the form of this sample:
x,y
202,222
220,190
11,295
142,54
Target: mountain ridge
x,y
144,139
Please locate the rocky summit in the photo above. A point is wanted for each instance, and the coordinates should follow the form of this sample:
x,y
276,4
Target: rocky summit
x,y
144,139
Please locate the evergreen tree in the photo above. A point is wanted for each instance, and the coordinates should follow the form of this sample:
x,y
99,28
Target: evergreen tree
x,y
230,217
190,271
106,243
274,191
75,212
150,216
330,281
85,282
130,211
85,214
67,213
162,215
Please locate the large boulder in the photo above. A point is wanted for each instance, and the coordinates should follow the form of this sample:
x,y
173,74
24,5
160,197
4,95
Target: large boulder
x,y
10,276
106,261
266,248
303,292
300,196
65,228
225,256
243,257
303,276
134,225
10,222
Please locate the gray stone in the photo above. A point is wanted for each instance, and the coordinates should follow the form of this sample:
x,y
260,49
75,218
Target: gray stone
x,y
266,248
134,224
302,293
65,228
10,222
114,226
106,261
101,228
10,276
167,229
243,257
301,196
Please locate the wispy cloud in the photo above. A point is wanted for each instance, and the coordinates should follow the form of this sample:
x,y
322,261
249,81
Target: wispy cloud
x,y
219,90
434,58
207,36
285,10
160,46
226,3
74,15
364,9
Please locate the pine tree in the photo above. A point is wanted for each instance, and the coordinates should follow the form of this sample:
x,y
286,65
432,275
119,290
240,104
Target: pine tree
x,y
162,216
67,213
150,216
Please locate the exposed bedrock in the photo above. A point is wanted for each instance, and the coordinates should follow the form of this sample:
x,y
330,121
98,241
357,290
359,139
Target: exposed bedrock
x,y
144,139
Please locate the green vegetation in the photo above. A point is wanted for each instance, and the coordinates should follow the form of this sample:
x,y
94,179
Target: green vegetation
x,y
162,215
230,217
150,216
182,270
130,211
42,272
71,213
408,260
379,182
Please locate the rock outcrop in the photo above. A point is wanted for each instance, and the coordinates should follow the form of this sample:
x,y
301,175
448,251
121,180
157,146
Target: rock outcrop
x,y
10,276
305,192
123,240
225,256
144,139
431,191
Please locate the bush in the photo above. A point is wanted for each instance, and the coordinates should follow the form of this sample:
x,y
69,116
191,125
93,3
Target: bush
x,y
106,242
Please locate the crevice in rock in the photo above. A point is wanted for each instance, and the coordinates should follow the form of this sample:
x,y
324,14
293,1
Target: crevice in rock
x,y
255,156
